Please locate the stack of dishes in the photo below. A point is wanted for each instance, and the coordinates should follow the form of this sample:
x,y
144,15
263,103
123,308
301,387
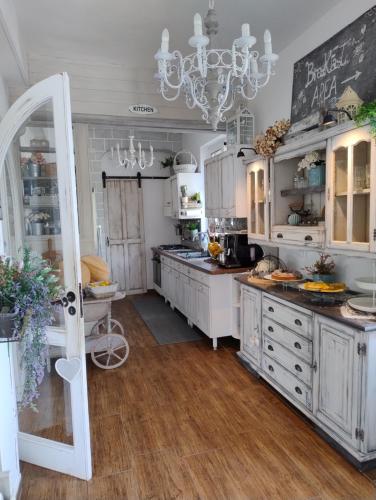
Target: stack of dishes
x,y
365,303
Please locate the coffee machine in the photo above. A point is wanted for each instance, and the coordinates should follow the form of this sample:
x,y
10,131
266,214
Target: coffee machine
x,y
237,252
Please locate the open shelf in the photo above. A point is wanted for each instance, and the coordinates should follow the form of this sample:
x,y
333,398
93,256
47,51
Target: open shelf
x,y
34,149
303,191
41,178
43,237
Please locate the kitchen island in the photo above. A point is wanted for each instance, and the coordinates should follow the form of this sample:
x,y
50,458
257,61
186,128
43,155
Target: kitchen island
x,y
205,293
319,356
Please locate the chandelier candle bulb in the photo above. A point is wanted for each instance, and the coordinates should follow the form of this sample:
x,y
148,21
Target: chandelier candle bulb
x,y
165,40
268,43
197,22
246,31
254,67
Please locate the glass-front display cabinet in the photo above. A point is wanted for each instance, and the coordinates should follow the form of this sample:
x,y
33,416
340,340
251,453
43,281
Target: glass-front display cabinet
x,y
258,200
351,190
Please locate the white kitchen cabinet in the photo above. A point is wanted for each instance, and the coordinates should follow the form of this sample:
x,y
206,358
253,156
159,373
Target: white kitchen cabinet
x,y
258,200
206,300
225,186
172,196
202,304
250,325
351,190
337,379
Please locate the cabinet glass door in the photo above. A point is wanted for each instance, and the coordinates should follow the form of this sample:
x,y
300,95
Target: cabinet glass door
x,y
257,200
352,220
36,157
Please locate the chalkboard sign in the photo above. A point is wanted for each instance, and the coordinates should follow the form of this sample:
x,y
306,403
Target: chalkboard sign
x,y
320,78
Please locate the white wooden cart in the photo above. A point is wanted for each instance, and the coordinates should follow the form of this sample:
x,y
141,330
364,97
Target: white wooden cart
x,y
104,336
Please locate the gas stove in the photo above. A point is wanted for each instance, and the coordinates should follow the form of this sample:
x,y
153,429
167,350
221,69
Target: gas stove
x,y
176,246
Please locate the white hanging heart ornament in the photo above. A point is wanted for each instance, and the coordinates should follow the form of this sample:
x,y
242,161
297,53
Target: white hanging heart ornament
x,y
68,369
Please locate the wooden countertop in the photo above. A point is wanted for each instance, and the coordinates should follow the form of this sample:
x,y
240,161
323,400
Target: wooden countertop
x,y
203,265
304,299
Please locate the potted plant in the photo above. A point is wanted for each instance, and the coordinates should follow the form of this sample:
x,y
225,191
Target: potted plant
x,y
367,113
38,220
322,269
169,163
193,230
27,291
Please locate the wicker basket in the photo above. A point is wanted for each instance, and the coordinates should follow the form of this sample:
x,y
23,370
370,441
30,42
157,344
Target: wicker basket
x,y
188,167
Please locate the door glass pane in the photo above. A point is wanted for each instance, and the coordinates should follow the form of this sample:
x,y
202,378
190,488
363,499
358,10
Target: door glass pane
x,y
261,201
253,201
361,194
33,172
340,194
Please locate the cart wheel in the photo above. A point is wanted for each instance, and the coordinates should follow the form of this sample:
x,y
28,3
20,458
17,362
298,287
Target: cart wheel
x,y
110,351
115,327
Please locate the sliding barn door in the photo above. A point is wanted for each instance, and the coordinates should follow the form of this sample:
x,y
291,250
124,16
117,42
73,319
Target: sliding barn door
x,y
125,238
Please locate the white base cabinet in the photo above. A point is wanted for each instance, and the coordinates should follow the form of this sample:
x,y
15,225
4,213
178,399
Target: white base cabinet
x,y
326,369
205,299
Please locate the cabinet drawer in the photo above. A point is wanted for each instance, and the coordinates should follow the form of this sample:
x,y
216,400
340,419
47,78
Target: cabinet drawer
x,y
300,346
307,236
287,316
288,360
287,381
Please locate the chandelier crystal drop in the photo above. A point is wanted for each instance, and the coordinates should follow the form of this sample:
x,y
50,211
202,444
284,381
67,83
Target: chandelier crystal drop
x,y
133,159
211,78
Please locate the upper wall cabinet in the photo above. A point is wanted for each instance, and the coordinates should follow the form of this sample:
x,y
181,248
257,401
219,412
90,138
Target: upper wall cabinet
x,y
351,191
225,186
258,200
178,206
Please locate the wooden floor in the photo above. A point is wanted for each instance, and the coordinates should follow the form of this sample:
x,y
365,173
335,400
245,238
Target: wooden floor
x,y
183,421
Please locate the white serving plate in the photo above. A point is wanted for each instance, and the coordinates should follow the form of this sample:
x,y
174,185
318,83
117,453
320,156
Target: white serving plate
x,y
103,292
364,304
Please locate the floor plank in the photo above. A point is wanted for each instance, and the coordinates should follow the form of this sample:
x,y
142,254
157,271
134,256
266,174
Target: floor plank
x,y
183,421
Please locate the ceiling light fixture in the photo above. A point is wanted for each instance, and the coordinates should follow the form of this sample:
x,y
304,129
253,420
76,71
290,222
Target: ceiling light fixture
x,y
211,78
134,160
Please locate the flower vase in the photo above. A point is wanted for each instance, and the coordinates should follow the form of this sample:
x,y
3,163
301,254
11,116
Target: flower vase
x,y
37,228
316,175
326,278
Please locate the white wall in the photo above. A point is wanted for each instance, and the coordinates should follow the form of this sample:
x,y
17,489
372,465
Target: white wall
x,y
274,102
9,460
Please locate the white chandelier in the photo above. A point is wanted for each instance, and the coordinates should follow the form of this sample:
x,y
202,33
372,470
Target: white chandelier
x,y
211,78
134,160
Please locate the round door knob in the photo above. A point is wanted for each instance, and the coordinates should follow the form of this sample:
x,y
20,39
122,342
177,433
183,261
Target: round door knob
x,y
298,322
297,345
71,296
298,390
270,348
298,368
270,309
270,329
270,368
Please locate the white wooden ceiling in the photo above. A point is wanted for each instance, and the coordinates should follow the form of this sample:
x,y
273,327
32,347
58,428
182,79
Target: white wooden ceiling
x,y
128,32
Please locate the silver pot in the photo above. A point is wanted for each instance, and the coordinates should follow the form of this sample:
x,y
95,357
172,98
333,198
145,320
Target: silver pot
x,y
37,228
34,169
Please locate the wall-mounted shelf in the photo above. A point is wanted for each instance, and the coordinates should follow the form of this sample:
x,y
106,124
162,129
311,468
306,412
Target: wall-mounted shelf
x,y
34,149
303,191
43,237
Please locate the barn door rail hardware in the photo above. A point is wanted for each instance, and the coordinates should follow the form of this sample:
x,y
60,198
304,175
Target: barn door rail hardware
x,y
137,177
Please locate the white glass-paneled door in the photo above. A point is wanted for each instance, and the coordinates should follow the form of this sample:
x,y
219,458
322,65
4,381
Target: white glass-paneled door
x,y
40,210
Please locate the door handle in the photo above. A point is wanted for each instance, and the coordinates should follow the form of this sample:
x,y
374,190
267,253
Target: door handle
x,y
107,241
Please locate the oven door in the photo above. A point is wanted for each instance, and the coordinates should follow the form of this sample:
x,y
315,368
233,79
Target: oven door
x,y
157,270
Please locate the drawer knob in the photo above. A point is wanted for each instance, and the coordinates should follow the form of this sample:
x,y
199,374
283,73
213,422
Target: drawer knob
x,y
298,322
298,390
270,348
308,237
298,368
270,309
271,369
279,235
270,329
297,345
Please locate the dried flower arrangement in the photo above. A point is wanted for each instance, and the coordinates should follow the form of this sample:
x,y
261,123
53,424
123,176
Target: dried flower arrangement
x,y
309,161
323,266
266,145
38,217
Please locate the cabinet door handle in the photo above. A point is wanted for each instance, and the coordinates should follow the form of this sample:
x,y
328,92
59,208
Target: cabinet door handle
x,y
107,241
279,235
297,345
308,238
298,390
270,368
314,366
270,309
298,322
270,329
270,348
298,368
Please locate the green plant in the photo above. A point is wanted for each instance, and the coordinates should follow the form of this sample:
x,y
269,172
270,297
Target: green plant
x,y
324,265
192,226
367,113
28,288
169,161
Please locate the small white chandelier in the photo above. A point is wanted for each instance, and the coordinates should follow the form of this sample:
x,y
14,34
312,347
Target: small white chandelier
x,y
211,78
133,159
